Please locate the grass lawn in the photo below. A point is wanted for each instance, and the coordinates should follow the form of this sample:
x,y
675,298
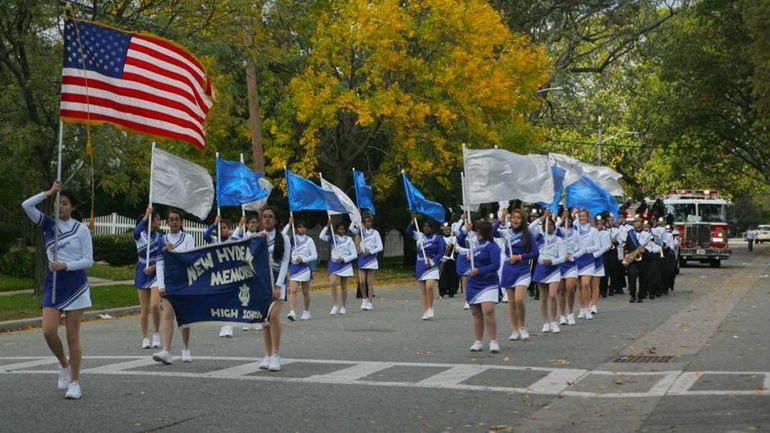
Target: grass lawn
x,y
8,283
108,272
27,306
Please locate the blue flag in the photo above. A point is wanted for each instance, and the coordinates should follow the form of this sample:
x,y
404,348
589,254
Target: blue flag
x,y
226,282
237,184
558,186
419,204
587,194
305,195
364,194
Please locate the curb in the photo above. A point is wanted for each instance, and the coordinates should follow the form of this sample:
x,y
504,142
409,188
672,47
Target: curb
x,y
22,324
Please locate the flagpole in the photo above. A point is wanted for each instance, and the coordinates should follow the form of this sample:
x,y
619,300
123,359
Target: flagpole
x,y
358,203
149,222
414,219
56,214
468,221
219,211
243,208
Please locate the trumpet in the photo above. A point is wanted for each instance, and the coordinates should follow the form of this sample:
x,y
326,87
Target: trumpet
x,y
613,239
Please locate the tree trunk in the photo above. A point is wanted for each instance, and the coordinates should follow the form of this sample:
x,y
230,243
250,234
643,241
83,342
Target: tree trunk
x,y
255,122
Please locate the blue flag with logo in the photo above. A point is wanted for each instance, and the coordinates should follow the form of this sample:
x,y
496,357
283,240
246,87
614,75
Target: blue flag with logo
x,y
226,282
364,194
587,194
305,195
419,204
237,184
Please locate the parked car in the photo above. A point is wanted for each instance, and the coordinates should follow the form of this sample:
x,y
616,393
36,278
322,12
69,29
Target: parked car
x,y
763,233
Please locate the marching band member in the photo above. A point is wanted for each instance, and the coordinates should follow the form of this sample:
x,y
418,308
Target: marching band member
x,y
636,239
178,241
371,245
279,251
534,219
653,257
603,242
520,248
463,265
303,252
340,263
145,277
618,232
585,262
73,256
568,269
552,253
448,280
430,249
484,287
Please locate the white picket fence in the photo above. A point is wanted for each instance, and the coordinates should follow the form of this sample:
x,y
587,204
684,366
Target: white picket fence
x,y
115,224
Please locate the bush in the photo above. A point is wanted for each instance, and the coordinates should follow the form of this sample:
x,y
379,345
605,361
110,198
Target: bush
x,y
9,233
117,250
18,262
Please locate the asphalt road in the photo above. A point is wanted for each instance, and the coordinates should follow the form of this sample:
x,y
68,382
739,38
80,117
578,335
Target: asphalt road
x,y
387,371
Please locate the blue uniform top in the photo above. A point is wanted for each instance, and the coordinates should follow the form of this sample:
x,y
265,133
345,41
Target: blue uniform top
x,y
486,258
433,244
514,242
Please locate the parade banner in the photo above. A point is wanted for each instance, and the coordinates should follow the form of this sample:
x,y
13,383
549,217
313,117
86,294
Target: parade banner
x,y
227,282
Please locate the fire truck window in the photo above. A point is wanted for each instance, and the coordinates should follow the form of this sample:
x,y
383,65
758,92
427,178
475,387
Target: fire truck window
x,y
683,212
711,213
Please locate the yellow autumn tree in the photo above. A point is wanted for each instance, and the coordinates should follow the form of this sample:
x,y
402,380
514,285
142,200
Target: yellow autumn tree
x,y
391,84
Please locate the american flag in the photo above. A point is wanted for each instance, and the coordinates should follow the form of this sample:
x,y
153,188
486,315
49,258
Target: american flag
x,y
136,81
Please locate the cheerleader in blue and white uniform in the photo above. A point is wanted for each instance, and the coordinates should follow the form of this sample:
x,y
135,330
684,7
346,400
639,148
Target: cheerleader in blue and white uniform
x,y
520,248
483,291
303,253
178,241
585,262
340,263
371,245
604,242
430,250
219,224
569,271
553,252
248,227
74,255
279,251
145,277
462,264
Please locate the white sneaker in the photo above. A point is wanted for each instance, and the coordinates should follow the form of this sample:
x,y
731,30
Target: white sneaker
x,y
156,341
246,328
265,364
73,391
364,305
425,315
466,306
515,336
369,306
588,315
431,313
163,356
594,310
571,319
226,331
292,315
145,343
305,315
186,355
582,314
477,346
546,328
343,310
555,328
562,320
524,334
65,377
494,347
275,363
334,310
505,296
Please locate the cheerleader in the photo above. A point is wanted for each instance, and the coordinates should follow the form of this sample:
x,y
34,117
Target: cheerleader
x,y
568,269
371,245
178,241
585,262
603,243
340,263
73,255
224,231
483,291
303,252
145,277
462,264
553,252
430,249
279,252
519,249
248,227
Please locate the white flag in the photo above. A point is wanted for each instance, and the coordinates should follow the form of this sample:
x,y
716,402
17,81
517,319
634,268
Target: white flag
x,y
606,177
572,167
259,204
494,175
355,215
182,184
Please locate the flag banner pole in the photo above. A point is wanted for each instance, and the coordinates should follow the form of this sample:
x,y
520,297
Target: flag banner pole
x,y
468,221
149,222
293,230
243,208
329,214
358,202
219,211
420,240
56,213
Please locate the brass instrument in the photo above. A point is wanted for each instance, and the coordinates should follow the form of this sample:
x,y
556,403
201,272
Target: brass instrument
x,y
613,239
635,255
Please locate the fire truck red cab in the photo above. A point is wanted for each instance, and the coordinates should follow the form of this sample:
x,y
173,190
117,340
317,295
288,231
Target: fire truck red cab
x,y
700,217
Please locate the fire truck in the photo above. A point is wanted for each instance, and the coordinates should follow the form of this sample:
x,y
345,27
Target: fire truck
x,y
700,217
